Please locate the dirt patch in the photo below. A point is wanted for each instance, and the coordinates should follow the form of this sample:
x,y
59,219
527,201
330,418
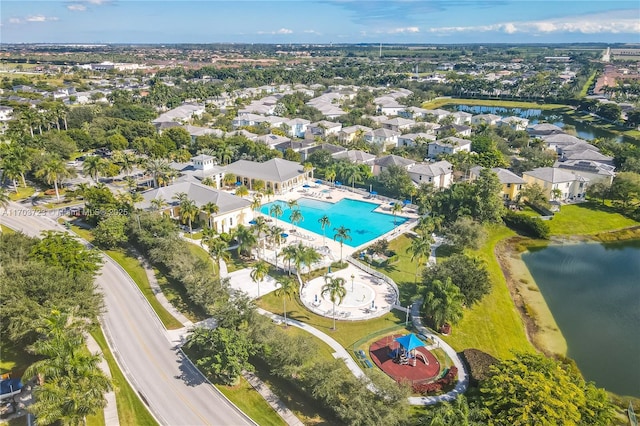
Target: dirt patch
x,y
540,326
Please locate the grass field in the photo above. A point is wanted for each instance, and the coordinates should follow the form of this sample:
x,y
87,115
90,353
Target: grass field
x,y
251,403
22,193
588,218
437,103
587,84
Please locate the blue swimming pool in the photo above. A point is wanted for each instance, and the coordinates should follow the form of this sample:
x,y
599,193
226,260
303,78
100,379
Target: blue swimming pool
x,y
358,216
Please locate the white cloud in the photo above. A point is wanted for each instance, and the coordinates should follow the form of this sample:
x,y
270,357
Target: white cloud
x,y
15,20
404,30
284,31
77,7
615,22
40,18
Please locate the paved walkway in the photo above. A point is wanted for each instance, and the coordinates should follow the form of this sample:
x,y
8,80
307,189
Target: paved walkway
x,y
111,409
272,399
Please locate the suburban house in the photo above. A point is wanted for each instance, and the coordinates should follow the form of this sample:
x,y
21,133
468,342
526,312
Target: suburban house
x,y
461,117
593,170
232,210
543,129
458,129
557,141
195,131
382,137
488,119
356,157
5,113
438,114
516,123
278,174
439,174
181,113
328,104
412,139
511,182
272,140
413,112
388,106
297,127
322,129
448,145
383,163
349,134
247,120
398,124
331,148
572,186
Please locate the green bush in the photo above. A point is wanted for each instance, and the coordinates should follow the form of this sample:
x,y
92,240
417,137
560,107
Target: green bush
x,y
531,226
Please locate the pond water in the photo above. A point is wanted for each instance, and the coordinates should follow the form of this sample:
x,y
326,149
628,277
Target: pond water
x,y
583,130
593,291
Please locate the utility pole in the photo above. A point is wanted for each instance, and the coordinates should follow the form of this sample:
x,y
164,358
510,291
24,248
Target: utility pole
x,y
380,54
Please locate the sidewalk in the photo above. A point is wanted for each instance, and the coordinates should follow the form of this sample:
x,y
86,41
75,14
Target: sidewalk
x,y
111,409
272,399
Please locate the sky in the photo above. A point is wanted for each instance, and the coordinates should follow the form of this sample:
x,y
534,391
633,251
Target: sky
x,y
322,22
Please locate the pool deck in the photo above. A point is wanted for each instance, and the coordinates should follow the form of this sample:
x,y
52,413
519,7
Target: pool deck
x,y
333,195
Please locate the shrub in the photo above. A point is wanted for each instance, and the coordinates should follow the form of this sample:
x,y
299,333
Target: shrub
x,y
445,381
531,226
479,364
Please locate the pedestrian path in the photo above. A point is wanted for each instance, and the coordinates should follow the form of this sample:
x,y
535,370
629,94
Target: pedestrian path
x,y
111,409
275,402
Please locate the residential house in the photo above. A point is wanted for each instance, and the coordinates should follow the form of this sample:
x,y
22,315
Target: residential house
x,y
461,117
413,113
571,186
349,134
196,131
488,119
279,174
543,129
383,163
457,129
516,123
388,106
232,210
593,170
397,124
356,157
331,148
384,138
448,145
437,114
182,113
511,182
297,127
6,113
247,120
412,139
322,129
439,174
272,140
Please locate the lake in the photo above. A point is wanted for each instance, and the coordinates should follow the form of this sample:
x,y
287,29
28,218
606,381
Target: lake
x,y
583,130
593,292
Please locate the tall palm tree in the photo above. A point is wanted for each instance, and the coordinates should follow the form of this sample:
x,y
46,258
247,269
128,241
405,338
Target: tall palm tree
x,y
324,223
336,290
94,166
208,235
293,204
246,239
261,227
269,193
352,174
157,167
296,217
443,302
397,208
158,204
11,170
306,168
53,170
256,204
330,174
259,272
299,256
210,209
188,212
342,234
219,250
286,288
276,211
310,256
420,249
229,179
289,254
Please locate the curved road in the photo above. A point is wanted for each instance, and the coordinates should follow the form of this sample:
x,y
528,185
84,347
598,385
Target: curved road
x,y
175,392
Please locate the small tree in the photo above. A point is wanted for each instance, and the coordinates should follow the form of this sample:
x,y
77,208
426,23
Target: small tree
x,y
286,288
259,272
342,234
336,290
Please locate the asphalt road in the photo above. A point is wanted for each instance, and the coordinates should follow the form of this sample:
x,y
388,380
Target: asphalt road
x,y
175,392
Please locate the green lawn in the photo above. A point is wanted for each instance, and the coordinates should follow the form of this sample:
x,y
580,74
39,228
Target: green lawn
x,y
588,218
177,295
347,333
131,411
437,103
14,359
251,403
22,193
587,84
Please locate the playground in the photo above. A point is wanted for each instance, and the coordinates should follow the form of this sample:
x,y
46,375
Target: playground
x,y
405,358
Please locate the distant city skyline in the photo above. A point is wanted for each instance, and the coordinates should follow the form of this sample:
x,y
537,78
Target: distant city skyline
x,y
329,21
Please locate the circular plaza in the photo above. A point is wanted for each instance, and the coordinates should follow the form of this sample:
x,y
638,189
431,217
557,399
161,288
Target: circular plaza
x,y
366,296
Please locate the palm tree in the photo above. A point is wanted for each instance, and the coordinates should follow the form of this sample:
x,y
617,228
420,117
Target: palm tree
x,y
330,174
188,212
324,223
210,209
229,179
397,208
209,181
94,166
158,204
419,249
157,167
256,204
310,256
342,234
306,168
289,254
52,171
208,235
242,191
259,272
443,303
261,226
269,193
296,217
292,204
11,170
219,250
352,174
276,211
336,290
245,237
286,289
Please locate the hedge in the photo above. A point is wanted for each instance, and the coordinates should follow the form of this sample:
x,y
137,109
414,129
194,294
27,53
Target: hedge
x,y
528,225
